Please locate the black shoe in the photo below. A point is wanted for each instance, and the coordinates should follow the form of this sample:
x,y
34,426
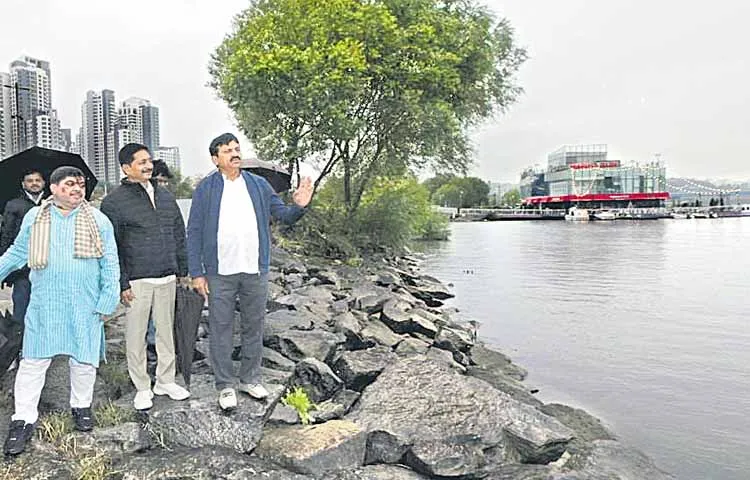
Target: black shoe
x,y
19,433
83,419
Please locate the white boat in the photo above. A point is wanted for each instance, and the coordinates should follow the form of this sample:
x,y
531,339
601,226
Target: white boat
x,y
576,214
679,216
604,215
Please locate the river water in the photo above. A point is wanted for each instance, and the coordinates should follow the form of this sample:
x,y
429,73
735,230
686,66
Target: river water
x,y
643,324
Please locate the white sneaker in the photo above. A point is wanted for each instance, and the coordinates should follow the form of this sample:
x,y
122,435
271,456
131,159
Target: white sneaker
x,y
174,391
255,390
143,399
227,399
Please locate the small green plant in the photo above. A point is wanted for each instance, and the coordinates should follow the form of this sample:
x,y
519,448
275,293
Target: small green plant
x,y
53,427
110,415
95,466
298,400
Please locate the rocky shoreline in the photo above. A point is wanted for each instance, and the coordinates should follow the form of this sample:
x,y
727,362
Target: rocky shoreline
x,y
401,386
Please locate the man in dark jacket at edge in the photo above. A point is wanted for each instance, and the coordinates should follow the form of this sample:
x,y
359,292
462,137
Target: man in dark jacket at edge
x,y
146,220
229,249
32,194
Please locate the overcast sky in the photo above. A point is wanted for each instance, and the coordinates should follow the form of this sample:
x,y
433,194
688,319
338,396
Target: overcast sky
x,y
644,76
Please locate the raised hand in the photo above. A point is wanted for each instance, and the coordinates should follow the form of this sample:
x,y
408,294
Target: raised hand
x,y
304,192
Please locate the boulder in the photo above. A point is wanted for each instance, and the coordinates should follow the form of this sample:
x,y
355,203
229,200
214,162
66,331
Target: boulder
x,y
316,379
199,422
453,340
274,360
396,314
412,346
492,361
315,449
199,463
587,428
609,459
360,368
297,344
336,407
288,320
377,332
379,472
423,412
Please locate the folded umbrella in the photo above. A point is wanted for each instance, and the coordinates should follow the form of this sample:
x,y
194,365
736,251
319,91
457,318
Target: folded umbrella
x,y
11,340
187,317
278,177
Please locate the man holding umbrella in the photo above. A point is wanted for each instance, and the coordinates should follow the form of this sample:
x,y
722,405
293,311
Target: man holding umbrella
x,y
32,194
229,246
71,250
146,219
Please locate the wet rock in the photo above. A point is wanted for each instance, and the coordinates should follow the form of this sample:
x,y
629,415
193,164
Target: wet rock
x,y
199,422
317,379
379,472
315,449
492,361
467,416
360,368
587,427
608,459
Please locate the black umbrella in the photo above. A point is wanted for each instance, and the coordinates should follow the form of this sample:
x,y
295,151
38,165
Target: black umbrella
x,y
187,317
279,178
42,160
11,339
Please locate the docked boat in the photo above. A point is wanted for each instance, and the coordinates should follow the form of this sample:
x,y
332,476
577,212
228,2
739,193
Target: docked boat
x,y
576,214
679,216
605,215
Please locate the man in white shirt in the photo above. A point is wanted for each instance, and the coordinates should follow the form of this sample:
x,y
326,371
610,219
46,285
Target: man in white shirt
x,y
229,244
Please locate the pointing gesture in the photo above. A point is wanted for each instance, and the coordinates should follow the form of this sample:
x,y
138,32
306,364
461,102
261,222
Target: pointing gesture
x,y
304,192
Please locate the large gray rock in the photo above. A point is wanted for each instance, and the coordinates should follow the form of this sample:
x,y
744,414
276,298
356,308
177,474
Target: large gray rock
x,y
587,427
298,344
397,315
336,407
412,346
493,361
126,438
288,320
422,411
454,340
274,360
315,449
349,325
200,463
379,472
610,460
360,368
377,332
316,379
199,422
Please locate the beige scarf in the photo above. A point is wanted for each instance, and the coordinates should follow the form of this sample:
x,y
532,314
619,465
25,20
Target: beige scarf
x,y
88,241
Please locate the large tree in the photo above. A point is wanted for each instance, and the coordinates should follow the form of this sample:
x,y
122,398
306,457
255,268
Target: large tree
x,y
366,88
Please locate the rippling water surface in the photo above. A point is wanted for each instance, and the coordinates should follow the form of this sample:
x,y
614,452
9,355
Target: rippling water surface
x,y
644,324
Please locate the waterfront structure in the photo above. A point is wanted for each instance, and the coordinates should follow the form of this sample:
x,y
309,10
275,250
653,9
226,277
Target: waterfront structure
x,y
583,175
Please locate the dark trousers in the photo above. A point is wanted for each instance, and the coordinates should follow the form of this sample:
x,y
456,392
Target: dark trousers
x,y
21,294
252,290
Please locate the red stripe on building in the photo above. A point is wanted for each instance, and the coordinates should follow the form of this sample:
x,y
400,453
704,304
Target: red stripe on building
x,y
597,197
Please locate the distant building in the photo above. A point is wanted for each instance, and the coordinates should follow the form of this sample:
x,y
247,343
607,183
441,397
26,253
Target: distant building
x,y
170,156
583,174
498,190
99,117
142,119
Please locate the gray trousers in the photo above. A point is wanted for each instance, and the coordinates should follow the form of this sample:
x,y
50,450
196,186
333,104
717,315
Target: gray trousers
x,y
252,290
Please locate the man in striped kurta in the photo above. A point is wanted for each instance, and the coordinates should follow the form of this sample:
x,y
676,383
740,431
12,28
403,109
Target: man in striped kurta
x,y
71,251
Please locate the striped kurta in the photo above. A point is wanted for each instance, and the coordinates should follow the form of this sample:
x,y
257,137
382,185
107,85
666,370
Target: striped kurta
x,y
69,296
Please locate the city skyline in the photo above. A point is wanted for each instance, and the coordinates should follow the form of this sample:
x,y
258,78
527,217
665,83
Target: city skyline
x,y
622,73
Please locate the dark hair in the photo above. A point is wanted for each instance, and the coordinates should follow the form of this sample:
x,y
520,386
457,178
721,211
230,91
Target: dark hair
x,y
126,153
223,139
31,171
61,173
161,169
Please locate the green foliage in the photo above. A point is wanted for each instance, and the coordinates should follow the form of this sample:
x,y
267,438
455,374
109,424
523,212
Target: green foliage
x,y
367,89
181,187
298,400
511,198
110,415
393,212
53,427
462,192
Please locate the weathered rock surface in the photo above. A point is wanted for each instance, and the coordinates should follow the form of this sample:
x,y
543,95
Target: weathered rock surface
x,y
199,422
379,472
396,314
315,449
587,427
317,379
439,413
360,368
298,344
610,460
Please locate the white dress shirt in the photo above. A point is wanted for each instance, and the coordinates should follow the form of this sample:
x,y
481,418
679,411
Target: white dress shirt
x,y
238,243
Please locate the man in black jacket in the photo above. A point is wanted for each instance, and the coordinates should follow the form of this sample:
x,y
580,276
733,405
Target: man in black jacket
x,y
150,236
32,194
